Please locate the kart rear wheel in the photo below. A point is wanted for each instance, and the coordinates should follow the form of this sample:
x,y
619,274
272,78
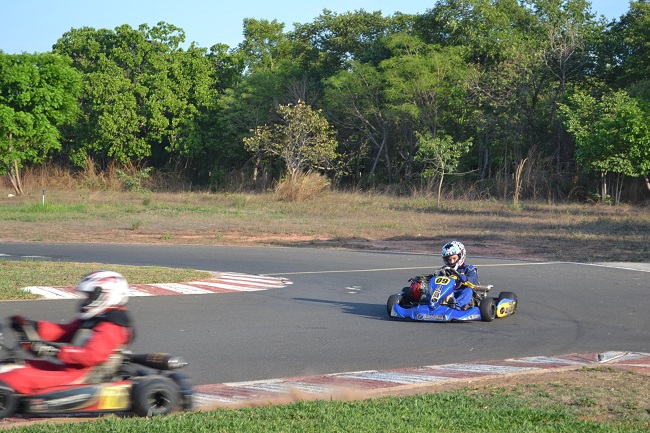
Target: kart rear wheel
x,y
8,401
488,309
509,295
156,395
392,300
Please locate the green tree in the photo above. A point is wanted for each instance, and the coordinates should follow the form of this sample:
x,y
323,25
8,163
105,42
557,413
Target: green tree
x,y
263,44
37,96
304,140
141,93
625,48
504,97
439,156
612,137
355,98
426,88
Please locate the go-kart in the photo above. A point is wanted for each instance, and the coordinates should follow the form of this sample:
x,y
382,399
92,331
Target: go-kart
x,y
430,299
140,384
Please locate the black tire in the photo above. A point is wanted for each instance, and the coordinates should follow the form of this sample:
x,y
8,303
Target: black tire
x,y
406,295
488,309
8,401
509,295
392,300
156,395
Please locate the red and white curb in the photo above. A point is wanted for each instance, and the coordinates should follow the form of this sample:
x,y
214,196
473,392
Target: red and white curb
x,y
223,282
374,382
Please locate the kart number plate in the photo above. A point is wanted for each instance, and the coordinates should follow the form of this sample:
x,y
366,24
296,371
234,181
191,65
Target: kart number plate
x,y
442,281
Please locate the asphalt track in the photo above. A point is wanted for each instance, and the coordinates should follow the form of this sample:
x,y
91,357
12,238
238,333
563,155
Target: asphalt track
x,y
332,318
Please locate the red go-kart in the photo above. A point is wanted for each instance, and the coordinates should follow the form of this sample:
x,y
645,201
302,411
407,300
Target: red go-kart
x,y
144,385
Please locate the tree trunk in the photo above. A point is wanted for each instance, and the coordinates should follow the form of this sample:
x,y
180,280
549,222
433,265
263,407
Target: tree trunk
x,y
442,177
14,177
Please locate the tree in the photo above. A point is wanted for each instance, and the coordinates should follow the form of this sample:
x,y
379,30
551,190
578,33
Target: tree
x,y
141,93
356,99
263,44
37,96
439,156
612,136
625,56
303,139
426,88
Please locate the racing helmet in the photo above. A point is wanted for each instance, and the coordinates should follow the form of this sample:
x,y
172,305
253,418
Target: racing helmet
x,y
104,290
453,248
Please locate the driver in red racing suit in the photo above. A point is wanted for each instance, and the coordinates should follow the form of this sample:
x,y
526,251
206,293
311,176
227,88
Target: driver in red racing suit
x,y
101,328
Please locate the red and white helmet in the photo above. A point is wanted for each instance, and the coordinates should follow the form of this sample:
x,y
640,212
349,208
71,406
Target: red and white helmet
x,y
453,248
105,290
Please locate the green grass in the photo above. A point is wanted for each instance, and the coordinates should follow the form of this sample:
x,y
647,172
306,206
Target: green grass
x,y
14,275
453,411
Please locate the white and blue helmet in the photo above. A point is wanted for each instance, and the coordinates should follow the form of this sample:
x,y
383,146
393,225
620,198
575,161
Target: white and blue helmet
x,y
452,248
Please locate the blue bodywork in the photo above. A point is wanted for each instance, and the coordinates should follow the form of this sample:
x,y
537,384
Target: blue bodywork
x,y
433,303
440,313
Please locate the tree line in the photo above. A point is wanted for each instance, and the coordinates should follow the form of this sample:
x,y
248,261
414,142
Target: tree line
x,y
477,98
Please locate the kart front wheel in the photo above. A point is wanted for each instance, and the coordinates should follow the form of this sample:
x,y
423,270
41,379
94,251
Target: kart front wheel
x,y
155,396
392,300
488,309
8,401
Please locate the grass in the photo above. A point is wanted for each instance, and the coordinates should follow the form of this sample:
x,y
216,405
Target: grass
x,y
545,231
486,408
14,275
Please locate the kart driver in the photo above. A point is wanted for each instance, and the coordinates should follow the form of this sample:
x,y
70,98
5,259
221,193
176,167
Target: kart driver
x,y
454,254
102,327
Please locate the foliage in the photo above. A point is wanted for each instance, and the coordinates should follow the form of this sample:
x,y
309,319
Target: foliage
x,y
439,156
612,135
37,97
494,71
303,139
134,183
141,92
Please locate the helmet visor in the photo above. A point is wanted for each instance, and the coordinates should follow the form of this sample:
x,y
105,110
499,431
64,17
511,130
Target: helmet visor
x,y
91,297
451,260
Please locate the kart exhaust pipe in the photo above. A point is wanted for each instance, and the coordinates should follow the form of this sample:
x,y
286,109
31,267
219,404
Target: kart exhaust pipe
x,y
158,361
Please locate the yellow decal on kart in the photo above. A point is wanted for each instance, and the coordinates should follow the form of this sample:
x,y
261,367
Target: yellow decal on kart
x,y
114,397
442,281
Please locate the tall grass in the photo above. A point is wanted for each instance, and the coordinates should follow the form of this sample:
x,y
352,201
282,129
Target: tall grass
x,y
302,187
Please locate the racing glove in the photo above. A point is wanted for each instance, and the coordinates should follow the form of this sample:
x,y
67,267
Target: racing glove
x,y
462,278
40,349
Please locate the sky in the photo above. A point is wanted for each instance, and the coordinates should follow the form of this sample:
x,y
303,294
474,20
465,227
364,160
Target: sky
x,y
35,25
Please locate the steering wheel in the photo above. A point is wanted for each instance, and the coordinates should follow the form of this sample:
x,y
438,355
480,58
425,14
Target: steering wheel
x,y
449,271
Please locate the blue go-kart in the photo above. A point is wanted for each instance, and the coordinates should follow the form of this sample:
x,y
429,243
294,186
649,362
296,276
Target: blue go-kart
x,y
430,299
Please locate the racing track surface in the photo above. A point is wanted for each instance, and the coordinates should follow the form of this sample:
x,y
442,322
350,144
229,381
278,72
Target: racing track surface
x,y
333,319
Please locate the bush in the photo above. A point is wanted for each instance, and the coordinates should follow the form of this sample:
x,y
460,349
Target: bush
x,y
301,187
